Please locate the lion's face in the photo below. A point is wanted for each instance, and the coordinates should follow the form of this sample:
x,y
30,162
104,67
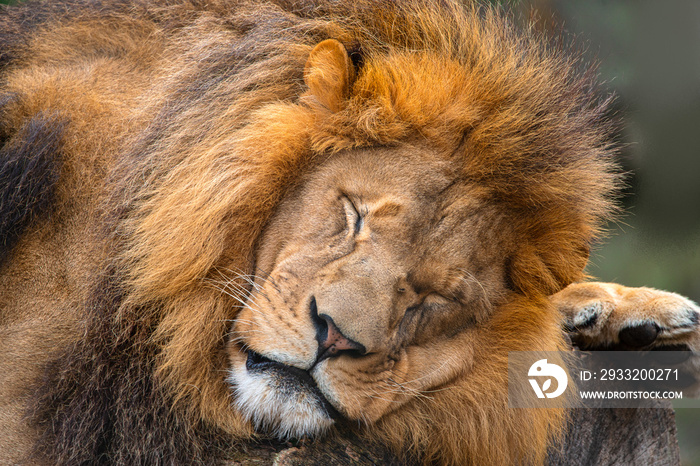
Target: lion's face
x,y
371,272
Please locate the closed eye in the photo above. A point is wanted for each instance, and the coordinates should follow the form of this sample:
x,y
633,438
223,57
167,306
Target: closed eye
x,y
354,220
435,299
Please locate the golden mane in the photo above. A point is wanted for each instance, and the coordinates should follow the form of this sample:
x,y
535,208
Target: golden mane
x,y
219,125
524,115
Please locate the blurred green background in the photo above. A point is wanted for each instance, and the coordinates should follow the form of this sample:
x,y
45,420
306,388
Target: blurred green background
x,y
649,55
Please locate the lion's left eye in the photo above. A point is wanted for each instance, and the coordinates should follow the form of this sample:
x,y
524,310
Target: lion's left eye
x,y
354,220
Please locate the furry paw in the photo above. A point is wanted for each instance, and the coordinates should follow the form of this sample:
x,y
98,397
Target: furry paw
x,y
611,316
607,316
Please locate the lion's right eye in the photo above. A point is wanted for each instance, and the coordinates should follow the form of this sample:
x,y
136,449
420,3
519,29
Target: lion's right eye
x,y
353,219
435,299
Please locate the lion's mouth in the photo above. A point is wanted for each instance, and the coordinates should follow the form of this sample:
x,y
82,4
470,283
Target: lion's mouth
x,y
291,378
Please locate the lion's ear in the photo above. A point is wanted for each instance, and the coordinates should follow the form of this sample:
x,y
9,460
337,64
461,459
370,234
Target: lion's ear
x,y
329,74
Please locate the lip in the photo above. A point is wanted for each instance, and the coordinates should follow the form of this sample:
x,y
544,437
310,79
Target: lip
x,y
256,362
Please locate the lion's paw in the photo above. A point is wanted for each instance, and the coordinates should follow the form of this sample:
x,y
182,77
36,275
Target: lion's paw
x,y
613,317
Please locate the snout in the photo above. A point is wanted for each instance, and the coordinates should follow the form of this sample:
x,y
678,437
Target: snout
x,y
331,340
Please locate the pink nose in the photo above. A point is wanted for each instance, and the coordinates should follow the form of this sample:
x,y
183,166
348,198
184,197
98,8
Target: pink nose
x,y
331,341
334,341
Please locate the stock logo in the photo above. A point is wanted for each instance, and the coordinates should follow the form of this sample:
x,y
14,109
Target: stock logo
x,y
542,369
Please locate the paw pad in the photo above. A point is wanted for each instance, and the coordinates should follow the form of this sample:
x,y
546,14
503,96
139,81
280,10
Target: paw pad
x,y
639,336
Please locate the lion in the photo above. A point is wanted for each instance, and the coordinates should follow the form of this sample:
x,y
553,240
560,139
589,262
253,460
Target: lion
x,y
235,218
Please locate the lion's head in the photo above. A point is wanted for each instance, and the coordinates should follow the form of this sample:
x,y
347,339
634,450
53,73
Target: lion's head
x,y
308,213
390,274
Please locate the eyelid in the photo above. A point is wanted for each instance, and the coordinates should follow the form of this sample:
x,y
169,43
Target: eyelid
x,y
438,298
354,220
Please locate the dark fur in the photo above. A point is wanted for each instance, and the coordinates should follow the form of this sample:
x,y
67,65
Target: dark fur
x,y
30,166
103,398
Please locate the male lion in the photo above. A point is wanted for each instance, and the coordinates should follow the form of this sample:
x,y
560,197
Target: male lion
x,y
225,217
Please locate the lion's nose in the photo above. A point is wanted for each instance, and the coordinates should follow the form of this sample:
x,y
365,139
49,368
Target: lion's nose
x,y
331,341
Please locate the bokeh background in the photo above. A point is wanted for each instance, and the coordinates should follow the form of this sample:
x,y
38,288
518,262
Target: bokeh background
x,y
649,56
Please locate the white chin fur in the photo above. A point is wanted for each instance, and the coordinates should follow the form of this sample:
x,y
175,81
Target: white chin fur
x,y
276,407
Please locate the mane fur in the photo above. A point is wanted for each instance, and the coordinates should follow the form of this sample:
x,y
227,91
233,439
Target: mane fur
x,y
29,170
215,125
